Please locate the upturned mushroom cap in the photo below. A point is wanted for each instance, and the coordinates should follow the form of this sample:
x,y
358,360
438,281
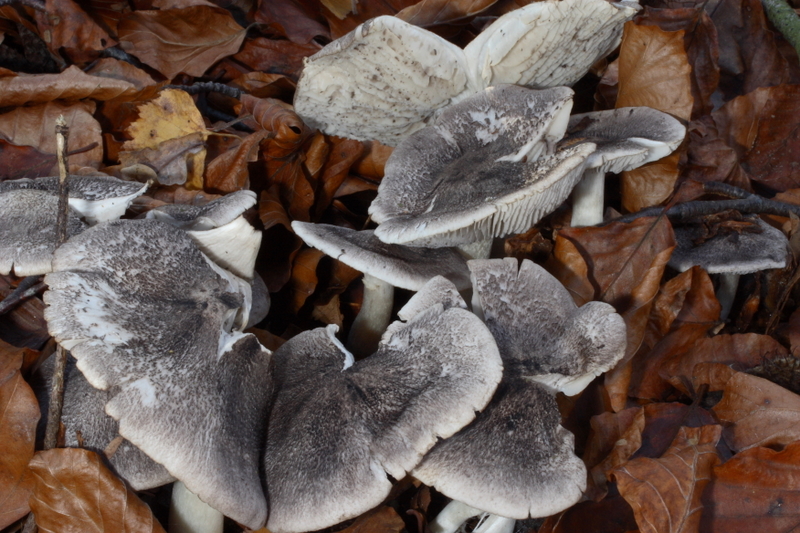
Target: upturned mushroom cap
x,y
384,80
95,198
337,427
151,319
732,253
219,230
400,266
546,44
28,231
626,138
542,335
514,460
476,172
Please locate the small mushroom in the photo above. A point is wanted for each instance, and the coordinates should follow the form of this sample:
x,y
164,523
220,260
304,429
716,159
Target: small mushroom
x,y
219,229
626,138
345,425
730,253
476,173
385,266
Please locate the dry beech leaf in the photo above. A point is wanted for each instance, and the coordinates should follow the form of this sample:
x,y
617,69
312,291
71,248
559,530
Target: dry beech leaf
x,y
650,184
344,19
329,313
63,23
343,155
187,40
612,514
304,276
271,211
35,126
373,161
19,414
756,490
71,84
382,520
265,85
114,69
23,161
614,438
665,493
275,56
292,19
289,131
75,492
433,12
23,326
663,422
709,158
760,413
228,172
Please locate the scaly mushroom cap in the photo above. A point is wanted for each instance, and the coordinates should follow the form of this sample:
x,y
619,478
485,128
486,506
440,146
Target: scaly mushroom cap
x,y
627,137
384,80
214,214
541,333
400,266
515,460
28,231
546,44
150,318
96,198
338,427
476,172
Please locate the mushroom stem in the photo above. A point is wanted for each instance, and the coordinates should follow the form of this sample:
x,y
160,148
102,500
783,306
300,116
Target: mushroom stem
x,y
189,514
728,283
587,198
492,523
477,250
372,320
452,516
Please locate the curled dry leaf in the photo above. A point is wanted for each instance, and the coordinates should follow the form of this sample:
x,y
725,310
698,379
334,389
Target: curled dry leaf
x,y
759,412
276,117
63,23
655,72
19,413
756,490
709,158
187,40
304,276
343,155
71,84
434,12
665,493
614,438
228,172
76,492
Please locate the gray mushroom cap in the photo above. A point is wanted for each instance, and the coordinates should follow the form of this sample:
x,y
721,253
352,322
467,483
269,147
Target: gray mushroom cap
x,y
214,214
626,138
28,231
542,335
337,427
151,319
95,198
476,172
732,253
514,460
400,266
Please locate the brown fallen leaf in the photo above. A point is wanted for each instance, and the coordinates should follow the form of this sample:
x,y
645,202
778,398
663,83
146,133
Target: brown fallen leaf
x,y
343,18
343,155
709,158
373,160
114,69
609,515
614,438
19,414
187,40
23,161
433,12
756,490
294,20
64,23
229,171
304,276
759,412
76,492
665,493
23,326
71,84
384,519
275,56
265,85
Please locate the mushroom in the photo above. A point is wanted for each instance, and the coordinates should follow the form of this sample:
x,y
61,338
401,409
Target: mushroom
x,y
387,79
626,138
476,173
515,460
341,424
385,266
148,317
219,229
745,249
96,198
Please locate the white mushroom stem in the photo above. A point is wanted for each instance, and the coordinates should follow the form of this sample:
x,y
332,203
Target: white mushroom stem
x,y
728,283
588,198
372,320
189,514
455,513
477,250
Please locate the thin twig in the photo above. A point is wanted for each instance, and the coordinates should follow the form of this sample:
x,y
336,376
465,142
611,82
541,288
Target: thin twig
x,y
208,87
27,288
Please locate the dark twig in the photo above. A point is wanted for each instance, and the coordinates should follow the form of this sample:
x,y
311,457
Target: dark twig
x,y
38,5
27,288
121,55
208,87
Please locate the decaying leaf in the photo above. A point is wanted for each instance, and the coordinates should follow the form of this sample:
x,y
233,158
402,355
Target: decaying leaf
x,y
665,493
304,276
76,493
71,84
187,40
23,161
63,23
229,172
614,438
19,413
433,12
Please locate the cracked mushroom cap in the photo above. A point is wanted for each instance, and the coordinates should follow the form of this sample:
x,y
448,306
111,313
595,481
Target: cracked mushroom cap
x,y
95,198
400,266
219,230
542,335
626,138
152,320
337,428
28,231
731,252
382,81
476,173
546,44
